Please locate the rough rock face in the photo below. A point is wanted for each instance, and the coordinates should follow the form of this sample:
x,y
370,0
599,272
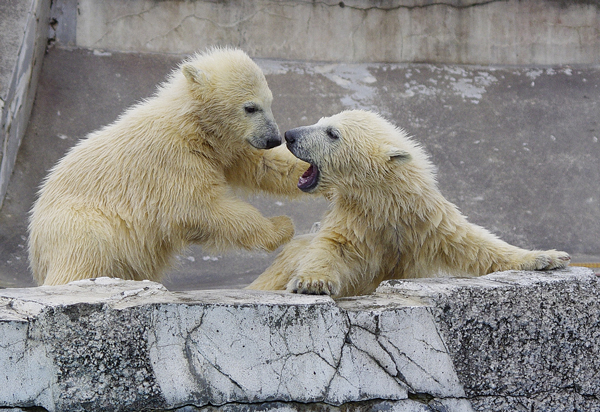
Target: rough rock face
x,y
509,341
521,342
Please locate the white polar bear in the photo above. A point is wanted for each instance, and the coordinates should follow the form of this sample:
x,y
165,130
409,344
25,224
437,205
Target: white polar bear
x,y
128,197
387,219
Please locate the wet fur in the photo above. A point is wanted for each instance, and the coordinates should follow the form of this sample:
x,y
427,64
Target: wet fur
x,y
387,219
128,197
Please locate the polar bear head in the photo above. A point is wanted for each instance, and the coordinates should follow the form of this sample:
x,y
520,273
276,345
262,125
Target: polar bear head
x,y
231,97
353,149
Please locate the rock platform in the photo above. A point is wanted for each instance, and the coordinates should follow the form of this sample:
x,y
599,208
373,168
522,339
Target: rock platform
x,y
509,341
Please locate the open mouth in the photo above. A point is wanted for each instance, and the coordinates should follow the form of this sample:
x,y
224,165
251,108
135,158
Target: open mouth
x,y
310,179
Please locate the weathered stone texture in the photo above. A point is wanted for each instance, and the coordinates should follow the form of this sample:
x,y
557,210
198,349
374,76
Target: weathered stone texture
x,y
101,357
510,341
529,339
406,405
567,400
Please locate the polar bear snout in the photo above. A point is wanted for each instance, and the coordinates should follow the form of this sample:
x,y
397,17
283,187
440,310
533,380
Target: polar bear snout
x,y
291,136
295,141
273,142
273,136
267,138
265,143
292,139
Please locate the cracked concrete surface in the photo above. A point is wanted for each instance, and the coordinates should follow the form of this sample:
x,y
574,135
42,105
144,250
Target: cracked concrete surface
x,y
492,343
509,336
465,32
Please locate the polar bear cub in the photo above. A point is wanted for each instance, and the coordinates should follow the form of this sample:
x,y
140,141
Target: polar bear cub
x,y
387,218
125,199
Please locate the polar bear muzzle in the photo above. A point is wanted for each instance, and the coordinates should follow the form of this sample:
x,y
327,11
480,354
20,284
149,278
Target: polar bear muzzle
x,y
310,179
295,142
269,139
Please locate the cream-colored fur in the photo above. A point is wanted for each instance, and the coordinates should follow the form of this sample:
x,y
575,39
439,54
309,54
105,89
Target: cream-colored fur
x,y
387,219
124,200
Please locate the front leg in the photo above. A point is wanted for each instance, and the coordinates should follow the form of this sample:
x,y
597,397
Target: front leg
x,y
275,171
329,266
495,255
229,222
542,259
285,266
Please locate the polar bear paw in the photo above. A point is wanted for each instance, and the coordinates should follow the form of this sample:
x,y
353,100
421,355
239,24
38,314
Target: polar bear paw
x,y
548,260
309,285
284,232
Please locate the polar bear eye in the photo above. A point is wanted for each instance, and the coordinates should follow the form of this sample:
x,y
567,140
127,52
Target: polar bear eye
x,y
251,108
332,133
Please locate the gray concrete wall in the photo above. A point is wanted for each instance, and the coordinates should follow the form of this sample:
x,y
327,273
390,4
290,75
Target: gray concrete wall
x,y
510,341
538,32
23,31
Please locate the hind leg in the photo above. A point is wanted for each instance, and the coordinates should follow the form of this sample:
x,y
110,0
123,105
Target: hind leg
x,y
474,250
72,244
540,260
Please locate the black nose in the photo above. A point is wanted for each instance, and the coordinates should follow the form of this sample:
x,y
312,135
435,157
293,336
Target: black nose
x,y
291,136
273,142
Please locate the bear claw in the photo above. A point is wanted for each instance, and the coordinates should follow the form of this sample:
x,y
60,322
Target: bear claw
x,y
548,261
312,287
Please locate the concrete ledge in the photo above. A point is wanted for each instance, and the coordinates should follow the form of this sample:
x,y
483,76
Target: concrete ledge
x,y
539,32
24,32
511,341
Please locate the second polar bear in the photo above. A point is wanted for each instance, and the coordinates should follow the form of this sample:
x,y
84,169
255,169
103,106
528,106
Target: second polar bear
x,y
387,220
125,199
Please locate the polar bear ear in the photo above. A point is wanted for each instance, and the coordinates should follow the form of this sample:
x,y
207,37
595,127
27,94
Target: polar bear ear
x,y
194,75
397,155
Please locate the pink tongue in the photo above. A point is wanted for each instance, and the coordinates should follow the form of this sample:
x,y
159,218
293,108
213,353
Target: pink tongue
x,y
307,178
